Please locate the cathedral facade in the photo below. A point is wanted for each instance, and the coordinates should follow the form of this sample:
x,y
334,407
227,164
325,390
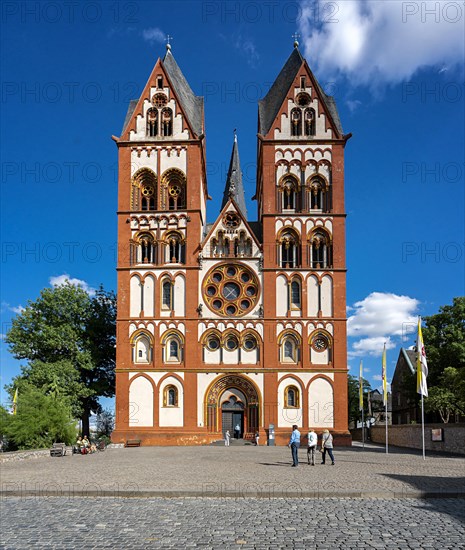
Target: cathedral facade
x,y
239,323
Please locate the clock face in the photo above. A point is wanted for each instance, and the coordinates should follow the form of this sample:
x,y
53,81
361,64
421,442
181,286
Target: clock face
x,y
320,343
231,290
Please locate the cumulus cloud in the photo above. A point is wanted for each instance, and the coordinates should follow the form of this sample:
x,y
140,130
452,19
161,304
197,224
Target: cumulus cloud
x,y
381,318
153,35
383,313
373,43
63,279
15,309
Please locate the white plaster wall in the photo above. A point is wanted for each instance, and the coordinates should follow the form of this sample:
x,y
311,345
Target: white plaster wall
x,y
320,404
249,357
171,416
179,296
149,295
281,296
312,296
141,159
134,299
230,357
140,403
327,296
319,357
173,158
288,417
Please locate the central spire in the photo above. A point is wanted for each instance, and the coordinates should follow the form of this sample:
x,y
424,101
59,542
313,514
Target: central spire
x,y
234,188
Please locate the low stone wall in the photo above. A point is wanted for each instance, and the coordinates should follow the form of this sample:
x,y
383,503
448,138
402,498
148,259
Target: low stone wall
x,y
24,455
409,435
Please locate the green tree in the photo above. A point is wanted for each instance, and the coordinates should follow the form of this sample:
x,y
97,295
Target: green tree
x,y
105,423
355,414
444,336
40,420
68,339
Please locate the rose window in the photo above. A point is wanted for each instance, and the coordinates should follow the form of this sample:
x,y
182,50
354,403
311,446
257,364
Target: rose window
x,y
231,290
159,100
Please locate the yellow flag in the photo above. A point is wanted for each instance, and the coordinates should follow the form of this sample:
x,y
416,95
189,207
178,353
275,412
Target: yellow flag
x,y
15,400
422,365
360,387
384,377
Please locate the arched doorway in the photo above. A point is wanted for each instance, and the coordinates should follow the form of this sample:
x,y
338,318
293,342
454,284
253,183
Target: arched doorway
x,y
230,400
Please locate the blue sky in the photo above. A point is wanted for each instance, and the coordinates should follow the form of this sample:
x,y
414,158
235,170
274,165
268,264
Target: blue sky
x,y
396,70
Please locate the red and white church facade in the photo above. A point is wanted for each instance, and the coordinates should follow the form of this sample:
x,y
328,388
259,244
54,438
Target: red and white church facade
x,y
237,322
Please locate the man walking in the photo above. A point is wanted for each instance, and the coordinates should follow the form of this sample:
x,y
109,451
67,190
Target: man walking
x,y
294,444
312,444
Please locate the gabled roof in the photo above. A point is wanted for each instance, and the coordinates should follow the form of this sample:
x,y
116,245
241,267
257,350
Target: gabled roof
x,y
191,104
234,188
410,357
212,227
269,106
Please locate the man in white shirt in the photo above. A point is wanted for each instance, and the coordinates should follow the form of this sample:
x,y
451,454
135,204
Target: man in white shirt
x,y
312,444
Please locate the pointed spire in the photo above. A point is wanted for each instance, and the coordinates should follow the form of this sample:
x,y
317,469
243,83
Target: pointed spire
x,y
234,188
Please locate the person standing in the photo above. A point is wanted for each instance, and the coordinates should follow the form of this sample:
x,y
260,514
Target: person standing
x,y
237,431
227,437
257,438
327,446
294,444
311,446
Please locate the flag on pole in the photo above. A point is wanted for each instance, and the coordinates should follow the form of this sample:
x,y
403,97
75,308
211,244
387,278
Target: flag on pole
x,y
385,398
15,400
422,365
360,387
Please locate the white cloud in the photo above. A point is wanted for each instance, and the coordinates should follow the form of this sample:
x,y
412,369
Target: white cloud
x,y
248,49
353,104
153,35
17,309
62,279
371,346
383,313
377,377
373,43
381,318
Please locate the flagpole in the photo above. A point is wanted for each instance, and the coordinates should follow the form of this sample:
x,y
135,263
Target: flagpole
x,y
423,425
363,429
385,415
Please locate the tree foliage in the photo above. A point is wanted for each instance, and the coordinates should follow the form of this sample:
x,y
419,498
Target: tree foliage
x,y
355,414
444,336
68,339
40,420
105,423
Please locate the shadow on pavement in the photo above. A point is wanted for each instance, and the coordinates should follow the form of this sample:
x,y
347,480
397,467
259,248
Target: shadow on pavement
x,y
442,487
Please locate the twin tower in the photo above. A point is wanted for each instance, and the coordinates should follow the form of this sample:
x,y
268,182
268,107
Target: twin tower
x,y
235,323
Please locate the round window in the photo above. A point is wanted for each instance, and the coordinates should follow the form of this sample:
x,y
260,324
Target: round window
x,y
213,343
231,343
231,290
250,343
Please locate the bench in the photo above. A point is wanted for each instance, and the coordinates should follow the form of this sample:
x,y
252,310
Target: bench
x,y
133,443
58,449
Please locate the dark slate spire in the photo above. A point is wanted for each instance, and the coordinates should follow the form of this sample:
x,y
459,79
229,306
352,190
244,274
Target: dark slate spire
x,y
192,104
269,106
234,188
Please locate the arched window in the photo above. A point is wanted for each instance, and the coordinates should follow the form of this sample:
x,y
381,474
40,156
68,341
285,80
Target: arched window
x,y
142,349
291,397
295,300
319,198
174,190
289,195
309,122
290,349
296,122
320,250
167,295
170,396
175,249
144,190
152,122
289,250
166,122
242,245
146,249
172,348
